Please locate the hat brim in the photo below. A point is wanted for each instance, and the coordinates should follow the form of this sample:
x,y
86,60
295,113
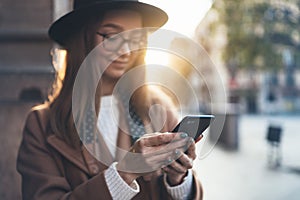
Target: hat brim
x,y
65,26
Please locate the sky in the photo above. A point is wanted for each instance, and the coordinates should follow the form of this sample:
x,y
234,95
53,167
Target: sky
x,y
184,15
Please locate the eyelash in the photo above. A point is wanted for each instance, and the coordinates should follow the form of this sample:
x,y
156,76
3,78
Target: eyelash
x,y
107,35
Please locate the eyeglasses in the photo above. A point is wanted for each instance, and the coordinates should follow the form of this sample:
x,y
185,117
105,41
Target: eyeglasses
x,y
113,42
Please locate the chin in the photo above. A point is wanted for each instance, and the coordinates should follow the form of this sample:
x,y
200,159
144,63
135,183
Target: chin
x,y
114,75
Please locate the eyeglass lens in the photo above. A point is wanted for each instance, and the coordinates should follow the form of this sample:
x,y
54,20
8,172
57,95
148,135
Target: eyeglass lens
x,y
115,42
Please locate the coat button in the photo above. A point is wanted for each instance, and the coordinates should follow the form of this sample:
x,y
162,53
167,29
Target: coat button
x,y
94,169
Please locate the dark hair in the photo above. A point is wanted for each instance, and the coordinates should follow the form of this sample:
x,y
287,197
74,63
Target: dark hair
x,y
60,100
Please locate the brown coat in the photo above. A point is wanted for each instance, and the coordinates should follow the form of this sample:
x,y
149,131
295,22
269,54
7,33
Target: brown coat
x,y
51,169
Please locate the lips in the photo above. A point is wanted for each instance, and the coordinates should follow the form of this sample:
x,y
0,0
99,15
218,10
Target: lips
x,y
120,61
119,64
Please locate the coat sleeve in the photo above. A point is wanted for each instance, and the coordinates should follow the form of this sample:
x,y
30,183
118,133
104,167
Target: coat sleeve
x,y
197,189
42,177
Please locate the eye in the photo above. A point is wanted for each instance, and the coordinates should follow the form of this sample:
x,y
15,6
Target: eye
x,y
111,37
108,36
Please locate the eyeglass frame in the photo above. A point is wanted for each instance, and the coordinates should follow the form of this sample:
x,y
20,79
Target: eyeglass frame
x,y
124,40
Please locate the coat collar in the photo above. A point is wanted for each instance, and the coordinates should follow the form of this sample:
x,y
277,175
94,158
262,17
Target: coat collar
x,y
81,158
71,154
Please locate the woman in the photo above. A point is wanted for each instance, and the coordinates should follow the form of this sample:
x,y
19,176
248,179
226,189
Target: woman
x,y
59,158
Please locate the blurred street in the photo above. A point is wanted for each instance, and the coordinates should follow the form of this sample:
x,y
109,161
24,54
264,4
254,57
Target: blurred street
x,y
244,174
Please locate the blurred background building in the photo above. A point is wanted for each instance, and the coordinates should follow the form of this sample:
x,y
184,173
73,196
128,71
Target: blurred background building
x,y
257,42
25,66
261,52
26,74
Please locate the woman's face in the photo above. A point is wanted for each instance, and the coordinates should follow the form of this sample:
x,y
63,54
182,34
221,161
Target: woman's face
x,y
115,50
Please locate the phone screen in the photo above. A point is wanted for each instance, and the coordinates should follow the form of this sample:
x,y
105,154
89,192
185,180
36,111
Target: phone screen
x,y
194,125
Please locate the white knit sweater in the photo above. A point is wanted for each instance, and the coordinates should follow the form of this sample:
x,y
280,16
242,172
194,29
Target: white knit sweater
x,y
119,189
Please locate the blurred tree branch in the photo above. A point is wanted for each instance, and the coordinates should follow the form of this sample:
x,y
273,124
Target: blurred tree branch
x,y
257,32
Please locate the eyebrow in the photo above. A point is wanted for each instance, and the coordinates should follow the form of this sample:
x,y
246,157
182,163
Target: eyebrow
x,y
115,26
110,25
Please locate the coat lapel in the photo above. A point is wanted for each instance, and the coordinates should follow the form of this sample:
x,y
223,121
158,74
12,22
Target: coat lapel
x,y
71,154
82,158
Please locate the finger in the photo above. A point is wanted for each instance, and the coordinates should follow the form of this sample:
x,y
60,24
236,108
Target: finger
x,y
165,152
164,159
179,168
161,149
157,139
191,150
167,158
199,138
171,157
170,147
163,138
170,171
185,161
157,159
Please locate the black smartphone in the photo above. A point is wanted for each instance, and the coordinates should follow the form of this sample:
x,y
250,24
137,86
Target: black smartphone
x,y
194,125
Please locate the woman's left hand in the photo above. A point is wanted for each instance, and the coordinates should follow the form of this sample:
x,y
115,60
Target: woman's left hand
x,y
177,170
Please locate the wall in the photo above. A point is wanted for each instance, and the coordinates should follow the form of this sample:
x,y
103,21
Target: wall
x,y
25,76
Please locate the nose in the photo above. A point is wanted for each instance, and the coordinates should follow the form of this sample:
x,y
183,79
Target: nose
x,y
124,49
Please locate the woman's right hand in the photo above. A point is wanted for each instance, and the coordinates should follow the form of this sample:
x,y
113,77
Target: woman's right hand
x,y
151,152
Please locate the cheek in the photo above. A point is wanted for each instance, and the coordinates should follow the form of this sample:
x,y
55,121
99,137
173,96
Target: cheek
x,y
103,57
134,58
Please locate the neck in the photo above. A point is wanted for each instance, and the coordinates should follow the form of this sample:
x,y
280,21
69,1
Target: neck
x,y
107,86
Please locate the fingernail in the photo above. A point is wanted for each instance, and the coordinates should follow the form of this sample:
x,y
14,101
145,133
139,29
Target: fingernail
x,y
169,160
190,141
183,135
177,152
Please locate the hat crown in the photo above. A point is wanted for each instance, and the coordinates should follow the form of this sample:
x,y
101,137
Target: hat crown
x,y
71,22
81,3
